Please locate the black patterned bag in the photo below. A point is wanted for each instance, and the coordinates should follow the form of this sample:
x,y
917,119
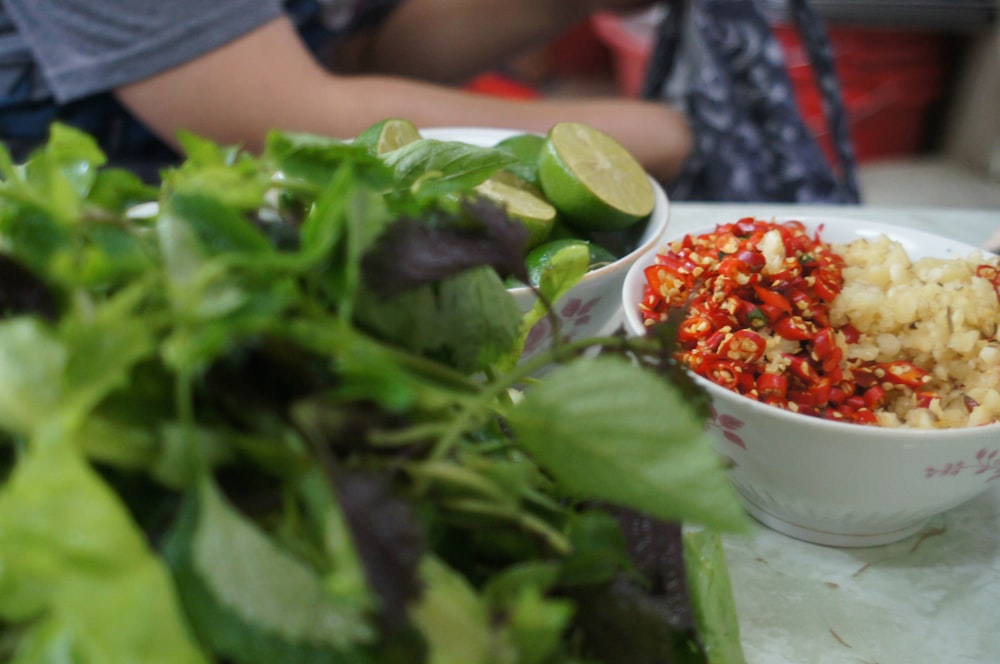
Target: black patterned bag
x,y
720,62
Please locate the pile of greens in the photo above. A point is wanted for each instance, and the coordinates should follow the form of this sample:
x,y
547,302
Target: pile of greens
x,y
271,410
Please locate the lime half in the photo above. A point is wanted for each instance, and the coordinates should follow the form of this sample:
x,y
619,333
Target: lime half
x,y
540,258
522,203
388,135
592,179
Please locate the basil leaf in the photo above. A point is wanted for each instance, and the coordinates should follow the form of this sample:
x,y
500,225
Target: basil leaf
x,y
435,168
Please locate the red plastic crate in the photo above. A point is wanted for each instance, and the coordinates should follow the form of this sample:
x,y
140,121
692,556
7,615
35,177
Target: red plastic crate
x,y
889,80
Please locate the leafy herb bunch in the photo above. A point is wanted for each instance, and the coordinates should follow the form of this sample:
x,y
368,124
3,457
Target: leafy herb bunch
x,y
271,410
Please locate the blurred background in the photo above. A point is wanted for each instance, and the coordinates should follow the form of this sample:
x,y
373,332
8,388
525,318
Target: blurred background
x,y
920,81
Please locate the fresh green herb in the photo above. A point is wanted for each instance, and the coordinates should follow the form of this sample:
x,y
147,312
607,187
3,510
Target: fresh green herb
x,y
272,411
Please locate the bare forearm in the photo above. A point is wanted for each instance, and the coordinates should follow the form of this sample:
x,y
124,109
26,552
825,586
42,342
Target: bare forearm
x,y
655,133
451,40
267,80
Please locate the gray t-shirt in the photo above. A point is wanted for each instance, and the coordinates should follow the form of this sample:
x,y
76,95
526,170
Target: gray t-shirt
x,y
84,47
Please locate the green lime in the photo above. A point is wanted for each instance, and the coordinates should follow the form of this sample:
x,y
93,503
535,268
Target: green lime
x,y
600,256
590,177
539,258
525,148
388,135
523,203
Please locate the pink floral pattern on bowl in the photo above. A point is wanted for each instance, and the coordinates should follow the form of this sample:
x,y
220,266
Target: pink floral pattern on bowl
x,y
985,462
728,426
574,312
538,335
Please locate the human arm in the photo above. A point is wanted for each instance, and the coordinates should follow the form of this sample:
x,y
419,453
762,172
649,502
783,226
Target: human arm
x,y
267,79
451,40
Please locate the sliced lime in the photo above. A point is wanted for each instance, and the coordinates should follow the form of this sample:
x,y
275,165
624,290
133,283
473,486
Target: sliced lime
x,y
523,203
388,135
592,179
540,258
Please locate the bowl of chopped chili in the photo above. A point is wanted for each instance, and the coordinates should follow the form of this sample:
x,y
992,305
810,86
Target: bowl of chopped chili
x,y
853,367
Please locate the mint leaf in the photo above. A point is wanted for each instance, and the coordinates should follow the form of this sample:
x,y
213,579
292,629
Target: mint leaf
x,y
252,601
72,560
217,226
31,233
343,224
116,190
606,429
310,160
452,618
536,621
32,362
69,158
102,351
712,596
466,321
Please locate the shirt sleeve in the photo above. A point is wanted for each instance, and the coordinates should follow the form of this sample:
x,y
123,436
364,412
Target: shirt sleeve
x,y
85,47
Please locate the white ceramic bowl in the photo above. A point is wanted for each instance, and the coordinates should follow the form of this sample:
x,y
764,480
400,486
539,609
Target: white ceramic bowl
x,y
831,482
593,306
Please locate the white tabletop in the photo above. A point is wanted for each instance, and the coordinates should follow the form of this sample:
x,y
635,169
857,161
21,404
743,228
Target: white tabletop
x,y
931,599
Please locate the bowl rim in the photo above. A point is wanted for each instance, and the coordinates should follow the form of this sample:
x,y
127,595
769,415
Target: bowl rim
x,y
875,432
655,224
874,229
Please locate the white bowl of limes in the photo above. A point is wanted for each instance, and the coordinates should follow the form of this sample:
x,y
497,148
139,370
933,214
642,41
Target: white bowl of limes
x,y
595,198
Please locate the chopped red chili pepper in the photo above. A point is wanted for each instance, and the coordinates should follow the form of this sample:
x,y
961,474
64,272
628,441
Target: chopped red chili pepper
x,y
990,274
724,373
764,330
864,416
772,387
694,328
824,344
902,373
851,333
874,397
794,328
773,298
744,346
801,368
